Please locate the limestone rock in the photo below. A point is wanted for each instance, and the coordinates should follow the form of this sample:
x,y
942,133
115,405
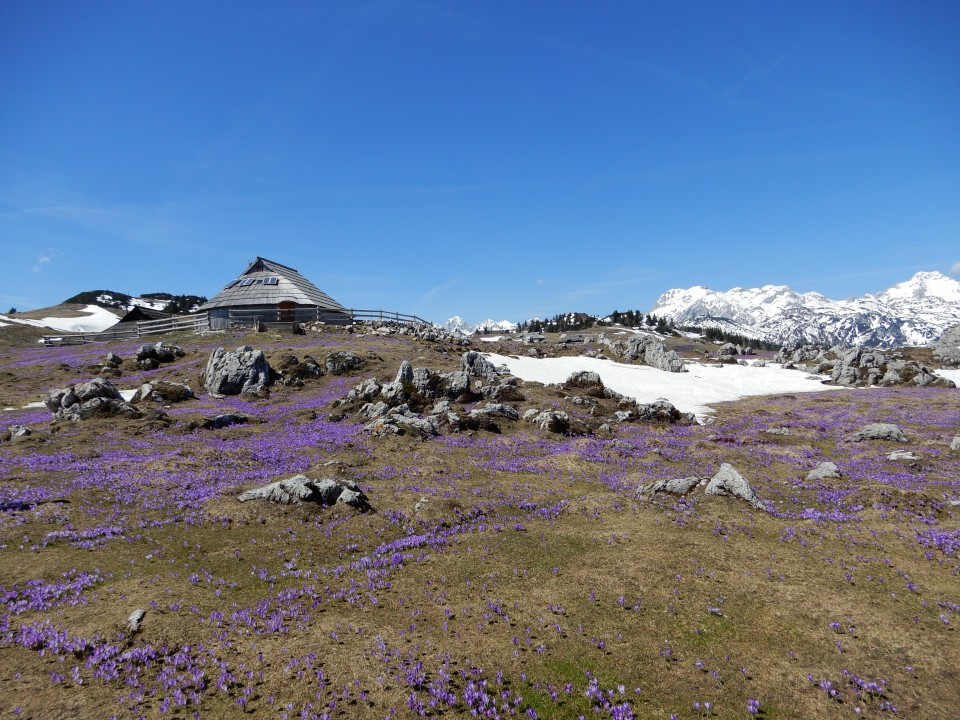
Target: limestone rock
x,y
300,489
680,486
342,362
902,455
160,352
947,349
136,617
218,422
587,381
729,482
163,391
476,365
86,400
955,443
555,421
19,431
879,431
824,470
662,411
243,371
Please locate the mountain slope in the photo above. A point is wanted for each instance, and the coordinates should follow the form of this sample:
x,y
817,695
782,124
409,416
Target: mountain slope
x,y
914,312
457,324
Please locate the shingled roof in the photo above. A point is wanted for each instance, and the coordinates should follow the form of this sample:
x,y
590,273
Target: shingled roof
x,y
269,283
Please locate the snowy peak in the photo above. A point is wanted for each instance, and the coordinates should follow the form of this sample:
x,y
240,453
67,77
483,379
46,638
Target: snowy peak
x,y
457,324
914,312
923,285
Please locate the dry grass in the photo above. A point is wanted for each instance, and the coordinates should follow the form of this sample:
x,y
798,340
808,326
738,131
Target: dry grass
x,y
689,603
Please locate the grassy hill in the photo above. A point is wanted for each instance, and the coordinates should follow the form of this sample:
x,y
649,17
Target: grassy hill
x,y
510,574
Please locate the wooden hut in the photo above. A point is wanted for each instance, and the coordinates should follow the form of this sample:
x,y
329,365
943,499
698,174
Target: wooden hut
x,y
268,292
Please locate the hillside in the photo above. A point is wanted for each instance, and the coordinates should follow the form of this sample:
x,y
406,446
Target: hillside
x,y
503,571
165,302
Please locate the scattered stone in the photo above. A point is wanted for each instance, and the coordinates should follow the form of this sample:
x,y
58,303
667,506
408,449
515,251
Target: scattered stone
x,y
19,431
163,391
879,431
680,486
244,371
112,359
779,431
823,471
662,411
555,421
902,455
295,371
218,422
149,357
647,350
136,617
955,443
729,482
728,350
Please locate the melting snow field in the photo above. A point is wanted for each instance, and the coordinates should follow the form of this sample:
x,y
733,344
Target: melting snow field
x,y
97,319
692,391
950,375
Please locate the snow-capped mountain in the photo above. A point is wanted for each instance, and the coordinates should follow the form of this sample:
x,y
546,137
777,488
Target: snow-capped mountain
x,y
457,324
915,312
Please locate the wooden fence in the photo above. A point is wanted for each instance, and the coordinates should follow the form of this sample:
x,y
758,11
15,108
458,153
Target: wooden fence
x,y
237,319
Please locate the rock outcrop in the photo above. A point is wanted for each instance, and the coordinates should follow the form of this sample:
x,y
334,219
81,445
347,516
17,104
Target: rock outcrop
x,y
679,486
87,400
342,362
244,371
823,471
879,431
163,391
947,349
150,357
729,482
301,489
646,350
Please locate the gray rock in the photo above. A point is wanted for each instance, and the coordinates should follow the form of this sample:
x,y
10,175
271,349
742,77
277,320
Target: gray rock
x,y
728,350
343,361
371,411
161,352
496,410
112,359
779,431
163,391
902,455
680,486
19,431
476,365
398,424
947,349
955,443
218,422
298,371
136,617
243,371
824,470
879,431
555,421
86,400
587,381
651,351
365,391
729,482
456,385
662,411
301,489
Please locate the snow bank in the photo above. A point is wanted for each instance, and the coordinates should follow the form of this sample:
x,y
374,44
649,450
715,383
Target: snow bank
x,y
692,391
950,375
96,319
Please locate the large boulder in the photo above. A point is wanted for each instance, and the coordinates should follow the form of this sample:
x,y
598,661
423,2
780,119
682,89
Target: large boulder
x,y
648,350
244,371
729,482
662,411
86,400
149,357
300,489
163,391
476,365
947,349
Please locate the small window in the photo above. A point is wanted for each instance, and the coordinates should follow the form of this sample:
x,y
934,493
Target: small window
x,y
246,282
230,284
271,280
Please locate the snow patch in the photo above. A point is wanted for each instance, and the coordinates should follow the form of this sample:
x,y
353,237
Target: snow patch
x,y
693,391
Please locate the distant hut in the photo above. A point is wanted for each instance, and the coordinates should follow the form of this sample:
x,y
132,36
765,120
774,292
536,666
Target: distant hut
x,y
139,314
269,292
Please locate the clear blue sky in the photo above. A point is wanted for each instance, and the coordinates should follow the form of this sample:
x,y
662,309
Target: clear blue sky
x,y
507,159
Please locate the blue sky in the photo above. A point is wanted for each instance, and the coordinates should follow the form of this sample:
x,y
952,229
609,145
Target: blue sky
x,y
508,159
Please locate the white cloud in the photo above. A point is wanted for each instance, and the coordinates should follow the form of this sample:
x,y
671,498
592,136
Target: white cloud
x,y
539,282
41,261
955,270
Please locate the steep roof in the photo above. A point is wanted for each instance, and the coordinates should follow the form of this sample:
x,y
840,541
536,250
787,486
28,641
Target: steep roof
x,y
266,282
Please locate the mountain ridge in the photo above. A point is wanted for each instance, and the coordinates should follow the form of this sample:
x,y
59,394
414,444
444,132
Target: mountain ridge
x,y
913,312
